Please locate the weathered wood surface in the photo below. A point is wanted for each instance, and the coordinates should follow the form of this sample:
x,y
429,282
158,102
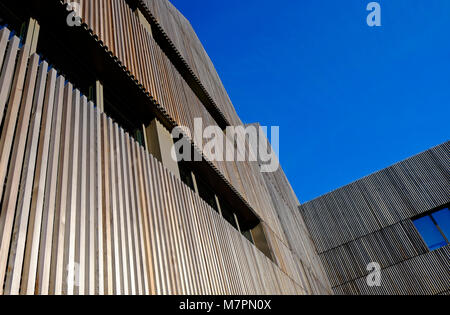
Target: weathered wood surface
x,y
119,30
86,210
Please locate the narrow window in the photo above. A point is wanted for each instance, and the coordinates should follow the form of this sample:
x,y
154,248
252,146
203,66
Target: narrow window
x,y
186,176
228,214
435,228
248,235
207,194
244,227
442,219
122,112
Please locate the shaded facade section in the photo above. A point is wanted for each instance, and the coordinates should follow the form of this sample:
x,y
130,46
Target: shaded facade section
x,y
372,220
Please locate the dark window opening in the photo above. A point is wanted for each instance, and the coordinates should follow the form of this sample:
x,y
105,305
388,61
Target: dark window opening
x,y
186,176
434,228
68,63
228,214
248,235
245,228
121,112
77,70
207,194
17,23
249,226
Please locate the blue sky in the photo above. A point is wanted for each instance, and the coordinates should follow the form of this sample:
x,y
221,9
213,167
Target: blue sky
x,y
349,99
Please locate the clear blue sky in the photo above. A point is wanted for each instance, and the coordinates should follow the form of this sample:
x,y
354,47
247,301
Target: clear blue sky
x,y
350,100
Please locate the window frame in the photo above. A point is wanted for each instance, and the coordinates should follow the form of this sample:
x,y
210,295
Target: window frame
x,y
429,215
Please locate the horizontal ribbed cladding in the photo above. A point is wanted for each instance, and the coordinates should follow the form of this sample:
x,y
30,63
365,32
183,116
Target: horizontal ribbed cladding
x,y
426,274
93,204
400,192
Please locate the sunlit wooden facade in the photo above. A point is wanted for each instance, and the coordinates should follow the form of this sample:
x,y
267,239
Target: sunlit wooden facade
x,y
90,203
85,208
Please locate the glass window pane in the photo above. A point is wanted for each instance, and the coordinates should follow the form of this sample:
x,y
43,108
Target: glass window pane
x,y
248,235
430,233
442,218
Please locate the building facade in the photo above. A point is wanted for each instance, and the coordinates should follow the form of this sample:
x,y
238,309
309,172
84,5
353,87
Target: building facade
x,y
398,218
91,201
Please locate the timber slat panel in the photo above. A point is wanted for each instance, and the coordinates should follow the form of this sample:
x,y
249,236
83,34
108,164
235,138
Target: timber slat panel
x,y
18,240
37,213
17,156
94,213
371,221
8,68
139,54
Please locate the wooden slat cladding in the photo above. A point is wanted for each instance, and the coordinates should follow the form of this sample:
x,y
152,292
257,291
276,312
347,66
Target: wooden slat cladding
x,y
86,210
183,39
422,275
139,54
400,192
295,254
388,247
371,221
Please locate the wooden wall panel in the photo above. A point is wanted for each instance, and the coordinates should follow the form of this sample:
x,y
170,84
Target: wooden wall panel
x,y
422,275
141,57
22,113
400,192
371,221
16,258
86,210
296,254
37,207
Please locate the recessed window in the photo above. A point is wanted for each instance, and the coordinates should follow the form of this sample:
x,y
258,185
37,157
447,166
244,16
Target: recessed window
x,y
248,235
228,214
251,228
207,194
435,228
186,176
121,112
244,228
